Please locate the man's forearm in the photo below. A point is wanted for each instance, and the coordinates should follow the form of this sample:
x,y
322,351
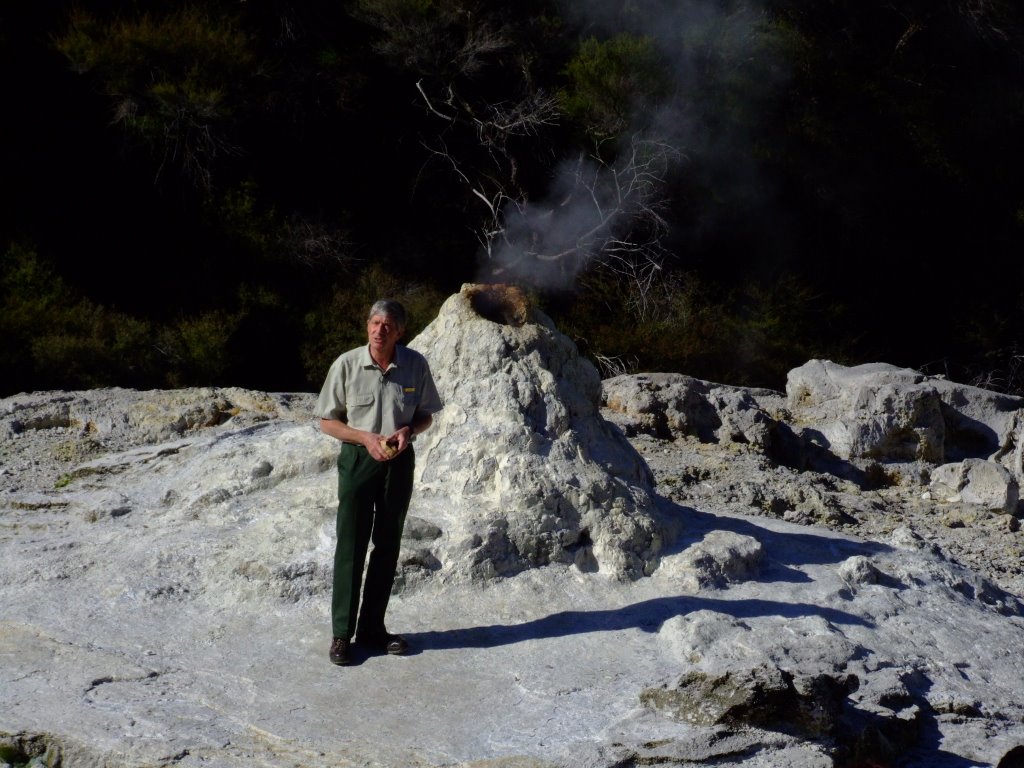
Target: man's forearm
x,y
340,430
420,421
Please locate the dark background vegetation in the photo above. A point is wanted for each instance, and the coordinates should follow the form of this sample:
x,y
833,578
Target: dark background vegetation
x,y
212,193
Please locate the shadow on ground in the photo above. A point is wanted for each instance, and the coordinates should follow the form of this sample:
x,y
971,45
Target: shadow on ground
x,y
647,616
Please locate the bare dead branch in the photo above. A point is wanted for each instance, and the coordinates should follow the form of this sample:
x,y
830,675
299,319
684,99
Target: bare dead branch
x,y
430,106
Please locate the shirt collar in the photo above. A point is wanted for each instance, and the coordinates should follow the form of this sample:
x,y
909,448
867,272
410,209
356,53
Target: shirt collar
x,y
396,361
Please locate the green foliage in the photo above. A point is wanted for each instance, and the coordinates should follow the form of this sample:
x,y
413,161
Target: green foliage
x,y
750,335
682,327
612,82
174,78
851,146
238,212
54,338
89,346
195,349
241,214
776,325
188,51
441,38
29,289
747,68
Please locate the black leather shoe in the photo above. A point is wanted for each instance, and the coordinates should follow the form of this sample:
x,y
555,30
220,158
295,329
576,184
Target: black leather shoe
x,y
339,651
392,644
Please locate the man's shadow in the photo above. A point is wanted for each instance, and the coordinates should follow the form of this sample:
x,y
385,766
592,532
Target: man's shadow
x,y
782,551
647,616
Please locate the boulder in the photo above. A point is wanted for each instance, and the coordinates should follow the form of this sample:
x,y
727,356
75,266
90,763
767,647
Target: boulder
x,y
673,405
1011,454
872,411
858,570
976,481
719,559
764,696
981,424
883,412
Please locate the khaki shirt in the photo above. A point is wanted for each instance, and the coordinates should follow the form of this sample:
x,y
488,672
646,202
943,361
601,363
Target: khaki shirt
x,y
360,394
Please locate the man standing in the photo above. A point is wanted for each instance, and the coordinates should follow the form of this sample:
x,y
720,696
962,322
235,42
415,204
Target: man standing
x,y
375,400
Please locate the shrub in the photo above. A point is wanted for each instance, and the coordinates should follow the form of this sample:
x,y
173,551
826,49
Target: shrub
x,y
610,81
174,78
56,338
750,336
194,349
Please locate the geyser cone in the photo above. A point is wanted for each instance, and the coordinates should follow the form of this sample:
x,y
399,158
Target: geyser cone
x,y
520,469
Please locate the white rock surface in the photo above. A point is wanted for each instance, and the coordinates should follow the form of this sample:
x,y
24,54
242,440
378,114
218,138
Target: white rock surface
x,y
873,410
881,411
976,481
672,405
164,587
521,466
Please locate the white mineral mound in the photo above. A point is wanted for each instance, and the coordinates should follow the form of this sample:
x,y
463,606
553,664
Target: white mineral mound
x,y
523,469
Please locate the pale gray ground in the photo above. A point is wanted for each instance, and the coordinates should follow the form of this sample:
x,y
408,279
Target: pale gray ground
x,y
166,603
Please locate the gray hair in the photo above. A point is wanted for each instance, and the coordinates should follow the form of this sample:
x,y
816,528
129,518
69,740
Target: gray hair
x,y
388,308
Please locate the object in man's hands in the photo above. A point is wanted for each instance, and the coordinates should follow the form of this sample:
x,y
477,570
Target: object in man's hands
x,y
390,447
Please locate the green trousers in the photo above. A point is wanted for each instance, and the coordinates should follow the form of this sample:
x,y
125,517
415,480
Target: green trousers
x,y
373,497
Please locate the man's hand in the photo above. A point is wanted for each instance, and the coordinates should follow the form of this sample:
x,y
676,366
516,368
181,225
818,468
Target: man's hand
x,y
389,446
386,447
395,443
380,447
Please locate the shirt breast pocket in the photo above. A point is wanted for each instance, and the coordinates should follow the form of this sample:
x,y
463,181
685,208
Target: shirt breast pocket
x,y
358,405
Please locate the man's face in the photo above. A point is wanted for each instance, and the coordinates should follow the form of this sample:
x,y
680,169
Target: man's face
x,y
383,333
